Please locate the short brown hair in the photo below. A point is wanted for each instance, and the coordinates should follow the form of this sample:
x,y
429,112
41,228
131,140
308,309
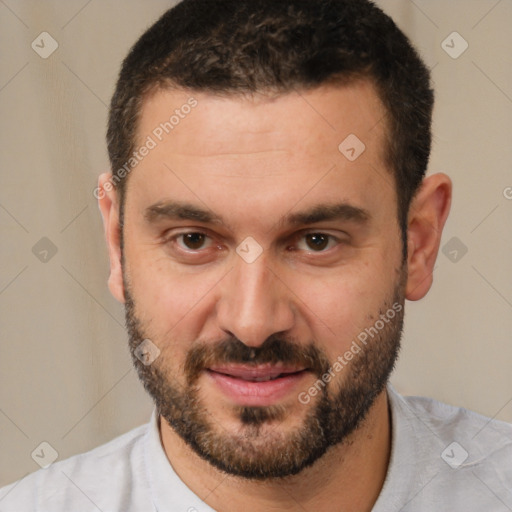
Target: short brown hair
x,y
246,46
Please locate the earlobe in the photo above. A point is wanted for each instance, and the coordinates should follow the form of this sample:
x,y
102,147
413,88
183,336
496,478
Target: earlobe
x,y
109,208
427,216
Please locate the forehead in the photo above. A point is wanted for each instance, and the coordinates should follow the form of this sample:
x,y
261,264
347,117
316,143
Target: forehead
x,y
325,142
327,113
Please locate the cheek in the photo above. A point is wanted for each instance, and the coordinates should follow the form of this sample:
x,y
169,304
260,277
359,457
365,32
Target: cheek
x,y
341,305
172,304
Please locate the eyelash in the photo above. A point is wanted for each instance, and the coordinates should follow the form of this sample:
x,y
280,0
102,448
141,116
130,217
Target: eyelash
x,y
180,235
299,237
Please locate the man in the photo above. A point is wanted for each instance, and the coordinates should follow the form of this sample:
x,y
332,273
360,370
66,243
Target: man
x,y
266,218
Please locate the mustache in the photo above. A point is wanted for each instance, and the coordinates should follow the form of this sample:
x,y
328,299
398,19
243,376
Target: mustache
x,y
274,350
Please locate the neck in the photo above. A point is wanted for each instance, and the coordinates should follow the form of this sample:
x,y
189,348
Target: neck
x,y
350,474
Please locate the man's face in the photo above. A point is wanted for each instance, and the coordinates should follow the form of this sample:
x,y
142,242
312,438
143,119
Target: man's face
x,y
255,253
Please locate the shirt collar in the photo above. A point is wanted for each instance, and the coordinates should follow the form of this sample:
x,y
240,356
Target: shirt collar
x,y
170,493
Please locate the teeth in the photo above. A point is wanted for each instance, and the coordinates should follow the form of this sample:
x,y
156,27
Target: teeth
x,y
264,379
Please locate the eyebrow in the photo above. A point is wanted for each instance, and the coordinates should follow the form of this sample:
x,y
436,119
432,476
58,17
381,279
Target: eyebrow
x,y
328,212
176,210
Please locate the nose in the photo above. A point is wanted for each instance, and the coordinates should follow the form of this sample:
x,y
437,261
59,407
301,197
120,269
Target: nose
x,y
254,303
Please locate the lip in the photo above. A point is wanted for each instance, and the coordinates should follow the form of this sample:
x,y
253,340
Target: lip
x,y
235,381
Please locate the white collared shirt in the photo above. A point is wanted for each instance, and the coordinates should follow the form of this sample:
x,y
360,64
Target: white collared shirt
x,y
442,458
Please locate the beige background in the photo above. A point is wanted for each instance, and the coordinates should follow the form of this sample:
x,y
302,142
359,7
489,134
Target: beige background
x,y
65,372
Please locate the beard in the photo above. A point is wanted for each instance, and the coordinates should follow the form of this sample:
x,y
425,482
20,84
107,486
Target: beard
x,y
259,449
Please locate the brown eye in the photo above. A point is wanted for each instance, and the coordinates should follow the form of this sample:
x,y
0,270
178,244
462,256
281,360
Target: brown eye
x,y
317,241
193,241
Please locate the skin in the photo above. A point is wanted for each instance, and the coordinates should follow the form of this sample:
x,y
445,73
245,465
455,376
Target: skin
x,y
252,162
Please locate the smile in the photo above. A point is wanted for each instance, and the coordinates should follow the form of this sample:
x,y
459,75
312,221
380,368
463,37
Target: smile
x,y
256,386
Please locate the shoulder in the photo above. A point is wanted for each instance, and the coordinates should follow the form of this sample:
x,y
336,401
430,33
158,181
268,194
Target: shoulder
x,y
448,421
83,478
450,456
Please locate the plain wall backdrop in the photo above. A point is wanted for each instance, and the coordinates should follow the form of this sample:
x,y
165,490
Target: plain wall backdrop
x,y
65,372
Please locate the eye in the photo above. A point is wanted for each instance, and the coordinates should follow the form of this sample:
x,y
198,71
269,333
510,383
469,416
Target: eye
x,y
193,241
316,242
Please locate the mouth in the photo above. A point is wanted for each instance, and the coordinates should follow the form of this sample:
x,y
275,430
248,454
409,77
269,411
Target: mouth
x,y
256,385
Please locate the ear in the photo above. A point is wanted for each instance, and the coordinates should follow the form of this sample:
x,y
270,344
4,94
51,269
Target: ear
x,y
109,207
427,216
